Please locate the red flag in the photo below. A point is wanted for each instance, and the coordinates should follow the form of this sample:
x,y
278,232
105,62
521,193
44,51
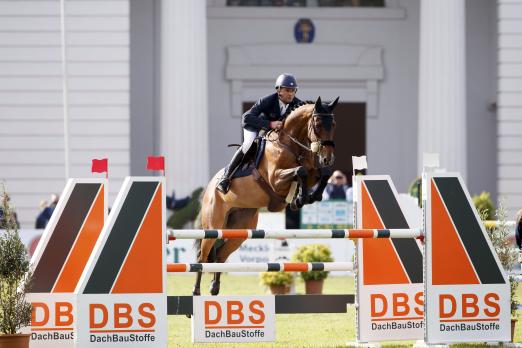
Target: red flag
x,y
100,165
155,163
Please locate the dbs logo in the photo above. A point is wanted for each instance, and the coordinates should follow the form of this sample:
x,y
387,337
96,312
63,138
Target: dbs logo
x,y
58,314
121,316
234,313
467,306
396,305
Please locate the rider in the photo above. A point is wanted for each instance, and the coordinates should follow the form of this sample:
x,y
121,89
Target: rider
x,y
267,113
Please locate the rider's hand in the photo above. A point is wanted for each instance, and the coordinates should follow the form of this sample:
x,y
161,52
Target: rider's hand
x,y
276,124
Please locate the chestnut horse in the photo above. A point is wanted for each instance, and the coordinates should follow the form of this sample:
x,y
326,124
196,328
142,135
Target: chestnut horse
x,y
302,151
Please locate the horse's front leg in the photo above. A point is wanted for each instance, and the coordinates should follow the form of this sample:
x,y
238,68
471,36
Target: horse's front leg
x,y
302,175
317,194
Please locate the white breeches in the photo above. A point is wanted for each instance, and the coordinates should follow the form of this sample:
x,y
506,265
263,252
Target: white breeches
x,y
248,139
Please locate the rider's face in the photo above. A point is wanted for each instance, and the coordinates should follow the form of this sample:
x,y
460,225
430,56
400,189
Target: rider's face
x,y
286,94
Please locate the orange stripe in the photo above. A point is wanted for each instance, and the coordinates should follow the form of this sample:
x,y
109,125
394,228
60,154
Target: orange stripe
x,y
53,329
468,320
112,331
392,319
176,267
361,234
447,249
381,263
142,271
81,251
235,327
235,234
295,267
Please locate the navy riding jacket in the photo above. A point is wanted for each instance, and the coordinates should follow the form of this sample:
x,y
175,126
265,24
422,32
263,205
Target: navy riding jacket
x,y
264,111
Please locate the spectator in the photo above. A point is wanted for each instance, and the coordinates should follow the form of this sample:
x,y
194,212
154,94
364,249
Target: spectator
x,y
46,212
176,204
337,187
518,230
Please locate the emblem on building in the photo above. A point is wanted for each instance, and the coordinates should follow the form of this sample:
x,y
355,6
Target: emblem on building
x,y
304,30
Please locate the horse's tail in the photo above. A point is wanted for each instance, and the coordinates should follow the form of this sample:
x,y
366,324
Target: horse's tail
x,y
198,224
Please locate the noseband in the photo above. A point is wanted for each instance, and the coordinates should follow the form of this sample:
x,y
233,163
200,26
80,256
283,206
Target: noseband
x,y
317,145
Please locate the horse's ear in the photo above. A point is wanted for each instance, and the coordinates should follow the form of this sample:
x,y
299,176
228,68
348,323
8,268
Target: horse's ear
x,y
318,103
333,104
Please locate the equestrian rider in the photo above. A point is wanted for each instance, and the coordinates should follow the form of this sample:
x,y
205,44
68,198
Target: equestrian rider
x,y
267,113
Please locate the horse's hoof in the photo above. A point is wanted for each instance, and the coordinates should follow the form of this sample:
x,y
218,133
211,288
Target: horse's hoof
x,y
188,315
196,292
214,288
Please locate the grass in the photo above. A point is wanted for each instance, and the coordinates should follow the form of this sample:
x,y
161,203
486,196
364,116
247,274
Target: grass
x,y
292,330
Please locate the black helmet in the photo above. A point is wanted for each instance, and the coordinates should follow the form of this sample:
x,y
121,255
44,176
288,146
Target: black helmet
x,y
286,80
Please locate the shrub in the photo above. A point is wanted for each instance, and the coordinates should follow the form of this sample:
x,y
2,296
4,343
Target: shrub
x,y
15,275
484,205
313,253
507,254
276,278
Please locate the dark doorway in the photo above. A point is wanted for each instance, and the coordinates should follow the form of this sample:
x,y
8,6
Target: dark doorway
x,y
350,135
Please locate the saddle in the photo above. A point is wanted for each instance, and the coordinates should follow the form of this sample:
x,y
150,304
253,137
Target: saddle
x,y
249,166
251,159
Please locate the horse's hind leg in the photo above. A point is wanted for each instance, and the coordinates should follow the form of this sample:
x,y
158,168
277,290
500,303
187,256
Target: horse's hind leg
x,y
241,218
204,249
213,212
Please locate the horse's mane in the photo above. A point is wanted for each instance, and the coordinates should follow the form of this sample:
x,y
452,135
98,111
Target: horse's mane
x,y
297,106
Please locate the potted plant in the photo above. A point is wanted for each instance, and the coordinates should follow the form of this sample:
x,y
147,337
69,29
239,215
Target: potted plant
x,y
313,253
278,282
507,254
15,280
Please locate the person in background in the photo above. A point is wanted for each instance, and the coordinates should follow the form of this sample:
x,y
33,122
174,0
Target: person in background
x,y
518,234
46,212
176,204
337,187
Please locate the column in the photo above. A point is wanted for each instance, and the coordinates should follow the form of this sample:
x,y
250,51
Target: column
x,y
184,105
442,83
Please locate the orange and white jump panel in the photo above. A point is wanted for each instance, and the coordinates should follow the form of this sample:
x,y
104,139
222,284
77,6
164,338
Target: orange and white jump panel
x,y
233,319
60,258
122,299
467,291
389,278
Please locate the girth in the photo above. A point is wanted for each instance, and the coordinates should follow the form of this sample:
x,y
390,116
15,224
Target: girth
x,y
276,202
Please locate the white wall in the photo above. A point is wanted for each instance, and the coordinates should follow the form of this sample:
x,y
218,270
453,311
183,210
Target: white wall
x,y
510,103
392,143
31,124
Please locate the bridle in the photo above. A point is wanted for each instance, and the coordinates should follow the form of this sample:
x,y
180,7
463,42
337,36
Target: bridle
x,y
316,144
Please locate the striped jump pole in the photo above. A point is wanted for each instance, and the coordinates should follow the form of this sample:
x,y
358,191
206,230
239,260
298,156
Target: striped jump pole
x,y
259,267
294,234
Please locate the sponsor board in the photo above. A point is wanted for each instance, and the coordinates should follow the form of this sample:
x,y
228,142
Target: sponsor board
x,y
468,313
395,312
52,320
233,319
126,320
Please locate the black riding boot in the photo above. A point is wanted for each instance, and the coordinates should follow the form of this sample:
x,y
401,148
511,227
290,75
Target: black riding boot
x,y
224,183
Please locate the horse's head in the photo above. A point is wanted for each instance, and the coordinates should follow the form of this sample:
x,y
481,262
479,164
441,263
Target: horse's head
x,y
321,128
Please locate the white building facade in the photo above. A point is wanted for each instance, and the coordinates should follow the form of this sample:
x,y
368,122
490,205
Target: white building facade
x,y
173,77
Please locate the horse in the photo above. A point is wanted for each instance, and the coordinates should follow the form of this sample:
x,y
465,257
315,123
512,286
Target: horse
x,y
302,151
